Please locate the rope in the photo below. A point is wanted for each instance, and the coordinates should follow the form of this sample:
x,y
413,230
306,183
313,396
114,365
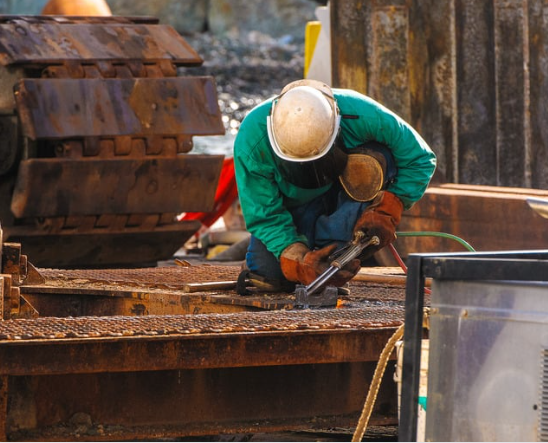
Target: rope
x,y
375,384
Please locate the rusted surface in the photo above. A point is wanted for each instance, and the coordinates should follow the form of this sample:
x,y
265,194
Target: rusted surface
x,y
93,375
65,108
99,110
54,40
171,277
182,403
469,75
123,243
317,320
150,185
247,372
488,218
162,291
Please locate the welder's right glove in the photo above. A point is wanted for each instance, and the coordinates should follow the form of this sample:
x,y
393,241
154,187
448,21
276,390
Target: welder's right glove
x,y
301,265
381,219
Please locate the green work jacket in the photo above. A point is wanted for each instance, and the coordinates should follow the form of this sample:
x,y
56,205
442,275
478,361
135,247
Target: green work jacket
x,y
264,194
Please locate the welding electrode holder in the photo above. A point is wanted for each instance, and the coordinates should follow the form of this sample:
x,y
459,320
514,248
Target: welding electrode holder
x,y
341,258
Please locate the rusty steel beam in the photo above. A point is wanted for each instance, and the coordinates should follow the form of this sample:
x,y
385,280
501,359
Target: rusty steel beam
x,y
165,291
98,378
197,402
149,343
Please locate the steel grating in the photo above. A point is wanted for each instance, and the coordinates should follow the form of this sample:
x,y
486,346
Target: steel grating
x,y
51,328
169,277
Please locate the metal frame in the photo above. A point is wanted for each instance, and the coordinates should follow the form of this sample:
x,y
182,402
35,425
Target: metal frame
x,y
505,265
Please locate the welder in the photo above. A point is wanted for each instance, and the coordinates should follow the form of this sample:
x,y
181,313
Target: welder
x,y
313,166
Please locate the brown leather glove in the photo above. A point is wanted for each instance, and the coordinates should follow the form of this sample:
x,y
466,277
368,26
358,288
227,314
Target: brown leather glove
x,y
381,219
300,264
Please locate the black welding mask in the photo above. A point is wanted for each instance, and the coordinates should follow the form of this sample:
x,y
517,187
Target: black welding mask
x,y
316,173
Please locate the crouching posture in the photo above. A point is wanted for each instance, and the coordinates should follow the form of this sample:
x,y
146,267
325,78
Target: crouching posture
x,y
313,166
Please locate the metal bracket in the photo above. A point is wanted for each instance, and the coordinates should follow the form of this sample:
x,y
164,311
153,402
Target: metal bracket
x,y
305,300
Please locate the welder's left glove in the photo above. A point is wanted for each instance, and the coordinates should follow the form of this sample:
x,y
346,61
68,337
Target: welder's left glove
x,y
301,265
381,218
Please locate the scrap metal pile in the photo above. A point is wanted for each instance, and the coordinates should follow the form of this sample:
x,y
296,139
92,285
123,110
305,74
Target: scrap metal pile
x,y
95,169
110,354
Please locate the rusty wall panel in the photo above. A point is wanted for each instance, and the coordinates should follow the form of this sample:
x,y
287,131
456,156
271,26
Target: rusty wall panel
x,y
150,185
475,90
432,75
538,85
476,73
64,108
488,218
388,81
350,29
511,83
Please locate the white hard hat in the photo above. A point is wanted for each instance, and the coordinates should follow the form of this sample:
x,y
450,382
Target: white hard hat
x,y
304,121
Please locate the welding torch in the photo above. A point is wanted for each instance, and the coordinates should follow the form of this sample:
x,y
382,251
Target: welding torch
x,y
342,257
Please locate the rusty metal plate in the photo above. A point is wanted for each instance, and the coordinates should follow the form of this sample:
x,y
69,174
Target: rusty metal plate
x,y
136,247
52,328
166,277
57,187
46,42
164,290
168,405
63,108
488,218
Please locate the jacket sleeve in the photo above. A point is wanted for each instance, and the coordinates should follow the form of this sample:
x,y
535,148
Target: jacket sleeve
x,y
262,203
414,159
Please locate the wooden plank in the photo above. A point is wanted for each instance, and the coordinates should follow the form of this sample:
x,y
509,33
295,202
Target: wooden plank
x,y
64,108
152,185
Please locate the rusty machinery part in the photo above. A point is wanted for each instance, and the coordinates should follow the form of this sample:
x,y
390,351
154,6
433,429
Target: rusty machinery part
x,y
15,270
95,105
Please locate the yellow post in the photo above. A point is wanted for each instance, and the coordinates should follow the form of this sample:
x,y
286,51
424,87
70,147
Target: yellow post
x,y
312,31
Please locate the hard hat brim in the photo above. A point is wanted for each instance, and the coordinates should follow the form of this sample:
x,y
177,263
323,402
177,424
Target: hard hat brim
x,y
321,151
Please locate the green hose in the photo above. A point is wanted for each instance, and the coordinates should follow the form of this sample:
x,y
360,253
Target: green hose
x,y
436,234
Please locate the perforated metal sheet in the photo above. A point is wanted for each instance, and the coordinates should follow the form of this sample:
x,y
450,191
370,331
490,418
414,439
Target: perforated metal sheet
x,y
306,320
170,277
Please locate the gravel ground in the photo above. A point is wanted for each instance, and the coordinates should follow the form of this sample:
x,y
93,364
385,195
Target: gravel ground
x,y
247,70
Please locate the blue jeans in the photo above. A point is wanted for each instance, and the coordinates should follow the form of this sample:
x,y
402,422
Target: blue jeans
x,y
330,218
